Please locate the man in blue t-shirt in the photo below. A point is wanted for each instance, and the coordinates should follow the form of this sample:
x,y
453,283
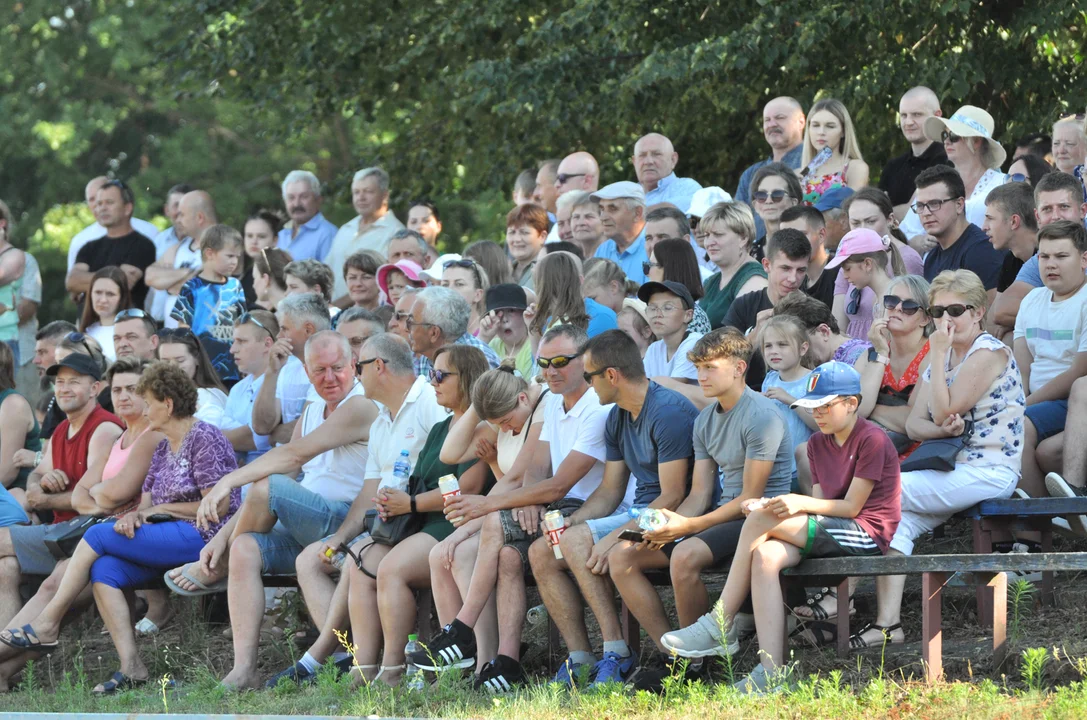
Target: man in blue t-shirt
x,y
649,446
941,207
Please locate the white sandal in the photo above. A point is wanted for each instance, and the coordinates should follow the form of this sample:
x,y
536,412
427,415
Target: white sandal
x,y
384,668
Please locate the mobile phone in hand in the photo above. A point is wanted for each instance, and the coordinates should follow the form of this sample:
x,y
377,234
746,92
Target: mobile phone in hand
x,y
632,535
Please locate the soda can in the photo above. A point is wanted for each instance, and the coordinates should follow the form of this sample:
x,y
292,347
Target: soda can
x,y
450,488
554,525
651,519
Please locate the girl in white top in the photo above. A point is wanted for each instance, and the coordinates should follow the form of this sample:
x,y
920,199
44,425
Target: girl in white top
x,y
512,410
108,295
181,346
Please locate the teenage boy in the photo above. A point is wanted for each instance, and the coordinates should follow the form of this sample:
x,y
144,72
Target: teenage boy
x,y
743,438
786,263
854,510
670,308
1050,343
648,435
808,220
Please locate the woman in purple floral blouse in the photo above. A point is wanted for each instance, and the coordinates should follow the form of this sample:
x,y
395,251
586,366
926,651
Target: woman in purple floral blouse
x,y
160,534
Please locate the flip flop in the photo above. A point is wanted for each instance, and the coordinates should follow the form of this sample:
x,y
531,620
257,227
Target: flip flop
x,y
216,587
26,639
119,682
146,627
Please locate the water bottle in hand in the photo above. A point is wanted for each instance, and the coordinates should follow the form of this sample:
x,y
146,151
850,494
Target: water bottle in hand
x,y
413,676
402,471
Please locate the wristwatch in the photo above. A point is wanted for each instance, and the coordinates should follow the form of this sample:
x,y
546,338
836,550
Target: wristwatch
x,y
874,356
413,509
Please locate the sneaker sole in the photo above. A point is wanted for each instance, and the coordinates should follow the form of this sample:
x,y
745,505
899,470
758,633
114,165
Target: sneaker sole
x,y
435,668
718,651
1057,486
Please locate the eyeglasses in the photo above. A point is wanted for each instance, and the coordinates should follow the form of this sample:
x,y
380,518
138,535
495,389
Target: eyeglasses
x,y
590,375
854,301
826,408
661,309
1015,177
948,136
563,178
78,337
906,307
129,314
437,377
249,318
932,206
956,310
776,196
359,365
558,362
647,266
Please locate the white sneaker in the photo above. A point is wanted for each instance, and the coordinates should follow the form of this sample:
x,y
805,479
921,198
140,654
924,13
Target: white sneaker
x,y
763,682
1057,486
704,637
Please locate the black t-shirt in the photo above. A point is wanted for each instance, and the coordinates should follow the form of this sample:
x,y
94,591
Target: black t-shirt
x,y
1008,272
743,313
900,173
823,289
133,249
973,252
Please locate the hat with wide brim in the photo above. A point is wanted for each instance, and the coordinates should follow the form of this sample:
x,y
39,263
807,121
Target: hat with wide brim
x,y
409,268
969,122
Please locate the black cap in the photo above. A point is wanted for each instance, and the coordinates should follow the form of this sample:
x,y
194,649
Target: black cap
x,y
669,286
82,364
506,296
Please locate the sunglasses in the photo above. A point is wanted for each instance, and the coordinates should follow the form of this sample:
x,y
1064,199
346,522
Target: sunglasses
x,y
776,196
563,178
948,136
956,310
906,307
854,301
1016,177
78,337
437,377
129,314
248,318
464,263
361,363
175,334
558,362
590,375
647,266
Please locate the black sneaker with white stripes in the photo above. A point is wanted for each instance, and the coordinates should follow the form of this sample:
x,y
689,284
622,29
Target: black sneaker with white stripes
x,y
500,676
453,647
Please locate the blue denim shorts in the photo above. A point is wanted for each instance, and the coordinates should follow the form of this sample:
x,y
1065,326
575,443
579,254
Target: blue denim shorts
x,y
304,517
602,527
1047,417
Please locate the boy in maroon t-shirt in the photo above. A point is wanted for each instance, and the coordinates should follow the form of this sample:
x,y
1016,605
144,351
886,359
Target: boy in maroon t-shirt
x,y
854,511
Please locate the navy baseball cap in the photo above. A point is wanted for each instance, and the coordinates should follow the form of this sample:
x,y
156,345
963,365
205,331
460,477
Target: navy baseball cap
x,y
832,199
669,286
828,382
82,364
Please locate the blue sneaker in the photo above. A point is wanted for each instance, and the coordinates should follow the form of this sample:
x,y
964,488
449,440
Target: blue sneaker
x,y
296,673
612,668
568,673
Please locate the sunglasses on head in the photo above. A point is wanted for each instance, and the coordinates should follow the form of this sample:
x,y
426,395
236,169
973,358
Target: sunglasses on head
x,y
774,196
78,337
906,307
948,136
464,263
558,362
956,310
1016,177
129,314
249,318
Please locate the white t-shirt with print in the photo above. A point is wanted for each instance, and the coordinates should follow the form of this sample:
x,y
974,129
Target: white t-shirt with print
x,y
1054,332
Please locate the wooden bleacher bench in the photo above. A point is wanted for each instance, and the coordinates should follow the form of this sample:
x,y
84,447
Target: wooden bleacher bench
x,y
989,569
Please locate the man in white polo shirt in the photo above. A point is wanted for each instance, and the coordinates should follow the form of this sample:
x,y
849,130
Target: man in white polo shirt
x,y
287,387
280,516
567,467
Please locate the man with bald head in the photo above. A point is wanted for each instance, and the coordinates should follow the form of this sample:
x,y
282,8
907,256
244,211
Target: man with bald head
x,y
897,180
654,163
96,230
195,213
577,172
783,127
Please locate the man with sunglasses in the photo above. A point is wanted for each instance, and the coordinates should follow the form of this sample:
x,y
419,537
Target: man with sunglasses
x,y
577,172
650,458
565,469
134,335
254,334
897,180
122,245
281,516
941,207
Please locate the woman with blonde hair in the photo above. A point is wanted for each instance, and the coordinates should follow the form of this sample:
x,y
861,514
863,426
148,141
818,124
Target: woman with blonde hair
x,y
728,236
832,157
605,283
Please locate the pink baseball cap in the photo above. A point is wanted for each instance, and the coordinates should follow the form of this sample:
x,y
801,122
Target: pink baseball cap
x,y
858,242
411,271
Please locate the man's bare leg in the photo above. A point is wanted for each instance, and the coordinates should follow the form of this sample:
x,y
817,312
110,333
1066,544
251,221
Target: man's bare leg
x,y
245,599
560,595
316,583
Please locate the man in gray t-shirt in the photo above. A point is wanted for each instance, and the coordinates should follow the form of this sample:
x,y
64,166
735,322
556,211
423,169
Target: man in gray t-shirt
x,y
741,437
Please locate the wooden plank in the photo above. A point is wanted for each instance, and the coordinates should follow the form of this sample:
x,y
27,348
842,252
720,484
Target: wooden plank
x,y
1032,506
983,545
913,564
998,589
932,584
843,618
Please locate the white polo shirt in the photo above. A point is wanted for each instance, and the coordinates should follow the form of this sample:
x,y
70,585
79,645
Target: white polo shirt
x,y
407,431
333,474
580,430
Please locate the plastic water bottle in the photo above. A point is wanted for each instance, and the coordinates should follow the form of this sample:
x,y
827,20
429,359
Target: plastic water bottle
x,y
413,676
536,615
402,470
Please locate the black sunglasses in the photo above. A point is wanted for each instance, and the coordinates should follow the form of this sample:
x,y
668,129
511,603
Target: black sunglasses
x,y
956,310
854,301
249,318
558,362
563,178
359,365
78,337
948,136
590,375
647,266
907,307
775,196
437,377
175,334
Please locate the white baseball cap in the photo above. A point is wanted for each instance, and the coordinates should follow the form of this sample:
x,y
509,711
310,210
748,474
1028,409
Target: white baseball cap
x,y
704,199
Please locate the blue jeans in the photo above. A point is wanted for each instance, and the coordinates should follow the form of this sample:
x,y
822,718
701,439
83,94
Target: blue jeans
x,y
304,517
125,563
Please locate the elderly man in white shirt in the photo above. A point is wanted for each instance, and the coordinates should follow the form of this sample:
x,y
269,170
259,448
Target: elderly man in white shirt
x,y
371,229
